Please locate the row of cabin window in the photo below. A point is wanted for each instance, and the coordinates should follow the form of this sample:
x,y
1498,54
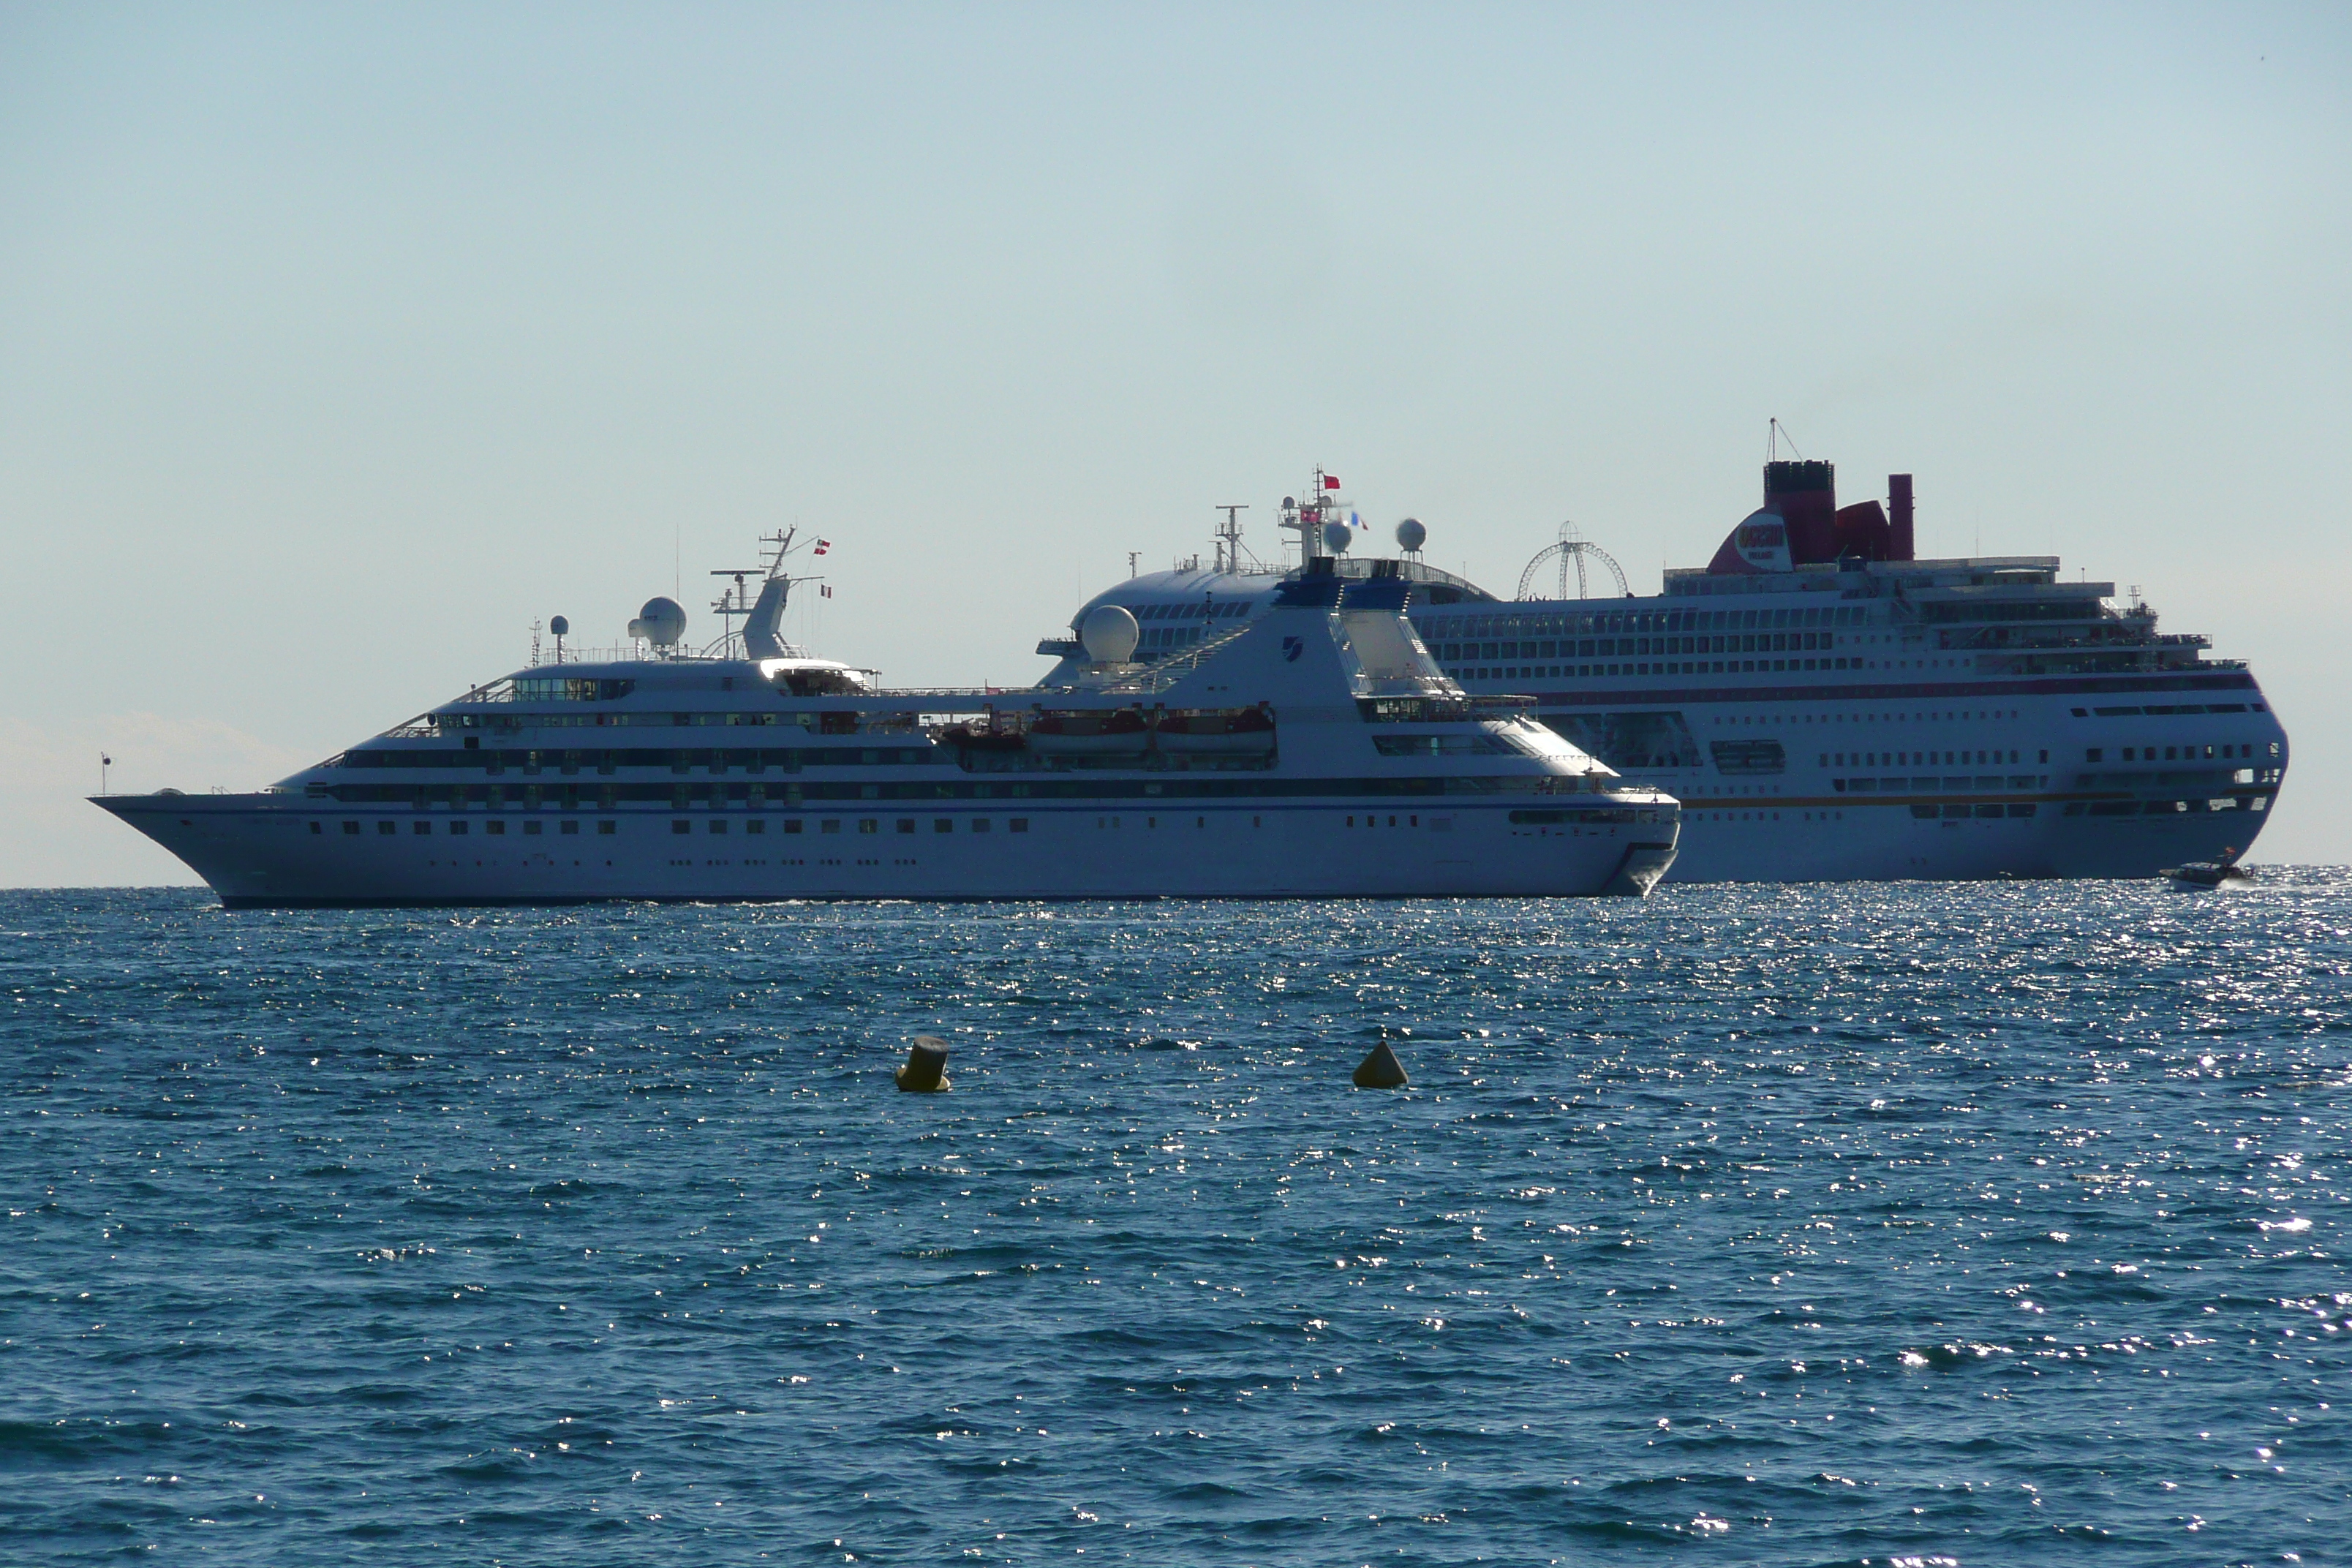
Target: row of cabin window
x,y
458,827
1618,647
838,721
1932,812
2166,807
446,797
833,824
1915,759
1603,671
717,759
1640,621
2224,752
1206,610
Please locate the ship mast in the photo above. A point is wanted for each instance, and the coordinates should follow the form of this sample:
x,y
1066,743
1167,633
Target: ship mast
x,y
1307,516
763,616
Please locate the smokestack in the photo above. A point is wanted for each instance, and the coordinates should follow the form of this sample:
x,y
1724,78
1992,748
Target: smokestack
x,y
1898,502
1805,495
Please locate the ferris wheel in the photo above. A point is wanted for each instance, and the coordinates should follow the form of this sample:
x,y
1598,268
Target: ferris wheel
x,y
1569,553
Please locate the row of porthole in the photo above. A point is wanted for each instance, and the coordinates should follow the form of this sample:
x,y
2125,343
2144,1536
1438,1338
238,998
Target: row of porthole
x,y
717,824
458,826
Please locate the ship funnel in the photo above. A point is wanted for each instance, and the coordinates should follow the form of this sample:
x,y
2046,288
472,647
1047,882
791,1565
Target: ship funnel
x,y
1901,546
1805,495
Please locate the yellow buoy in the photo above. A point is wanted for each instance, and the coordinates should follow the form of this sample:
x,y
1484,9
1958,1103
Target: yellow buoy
x,y
926,1071
1381,1069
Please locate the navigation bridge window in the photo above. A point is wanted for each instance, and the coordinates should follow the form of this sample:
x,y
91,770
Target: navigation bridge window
x,y
536,689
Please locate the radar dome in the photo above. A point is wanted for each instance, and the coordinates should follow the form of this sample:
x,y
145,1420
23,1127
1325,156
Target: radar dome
x,y
660,623
560,626
1109,633
1411,535
1336,536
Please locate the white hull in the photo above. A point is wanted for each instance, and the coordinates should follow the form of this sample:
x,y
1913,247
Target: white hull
x,y
1818,841
2052,813
259,850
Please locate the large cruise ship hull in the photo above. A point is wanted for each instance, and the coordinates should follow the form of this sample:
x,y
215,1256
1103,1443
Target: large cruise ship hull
x,y
2052,812
280,851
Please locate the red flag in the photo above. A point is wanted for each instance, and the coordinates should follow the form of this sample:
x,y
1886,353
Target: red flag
x,y
822,545
1331,481
825,592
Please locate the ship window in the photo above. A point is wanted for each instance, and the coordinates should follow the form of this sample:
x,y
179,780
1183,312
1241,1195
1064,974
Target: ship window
x,y
1018,824
531,827
494,826
869,825
791,825
751,824
717,824
571,826
420,828
906,825
387,827
458,828
681,825
830,825
2096,754
350,827
979,824
943,825
607,827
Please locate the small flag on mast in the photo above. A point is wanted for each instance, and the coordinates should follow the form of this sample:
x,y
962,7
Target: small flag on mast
x,y
826,592
822,545
1331,481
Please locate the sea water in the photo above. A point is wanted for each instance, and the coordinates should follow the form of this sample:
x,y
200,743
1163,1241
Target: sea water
x,y
1987,1224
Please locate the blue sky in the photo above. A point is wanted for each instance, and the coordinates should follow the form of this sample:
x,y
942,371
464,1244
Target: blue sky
x,y
338,343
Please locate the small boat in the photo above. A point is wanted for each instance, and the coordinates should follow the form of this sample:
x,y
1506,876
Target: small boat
x,y
1242,731
964,738
2222,873
1111,731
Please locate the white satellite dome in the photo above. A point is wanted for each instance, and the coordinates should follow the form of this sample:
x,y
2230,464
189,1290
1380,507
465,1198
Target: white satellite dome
x,y
1337,537
1411,535
1109,633
660,623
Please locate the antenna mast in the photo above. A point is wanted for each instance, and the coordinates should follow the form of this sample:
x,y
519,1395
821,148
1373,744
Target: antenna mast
x,y
1308,513
1229,547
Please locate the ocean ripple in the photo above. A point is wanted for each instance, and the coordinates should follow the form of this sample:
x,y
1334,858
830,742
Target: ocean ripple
x,y
1905,1224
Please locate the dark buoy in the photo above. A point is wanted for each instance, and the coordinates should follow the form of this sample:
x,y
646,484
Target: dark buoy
x,y
1381,1069
926,1071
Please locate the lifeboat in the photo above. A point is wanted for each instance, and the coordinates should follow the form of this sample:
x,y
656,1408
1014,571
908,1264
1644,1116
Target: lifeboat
x,y
1236,733
1110,732
966,739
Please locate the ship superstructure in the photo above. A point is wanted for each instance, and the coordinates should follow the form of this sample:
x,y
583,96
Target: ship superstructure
x,y
1828,707
1307,746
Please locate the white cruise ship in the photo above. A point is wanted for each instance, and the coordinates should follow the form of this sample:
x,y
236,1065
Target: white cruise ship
x,y
1827,707
1307,745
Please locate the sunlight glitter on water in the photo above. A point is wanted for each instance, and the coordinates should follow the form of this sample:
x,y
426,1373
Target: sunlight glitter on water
x,y
1939,1223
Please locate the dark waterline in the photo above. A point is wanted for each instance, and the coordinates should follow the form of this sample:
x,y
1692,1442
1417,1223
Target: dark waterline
x,y
1982,1224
